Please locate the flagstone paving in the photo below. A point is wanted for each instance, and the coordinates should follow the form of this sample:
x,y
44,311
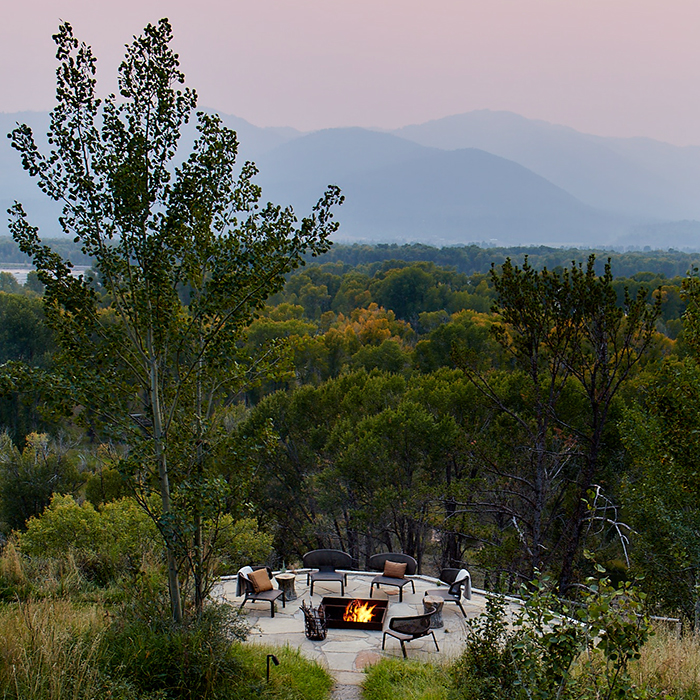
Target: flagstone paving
x,y
346,653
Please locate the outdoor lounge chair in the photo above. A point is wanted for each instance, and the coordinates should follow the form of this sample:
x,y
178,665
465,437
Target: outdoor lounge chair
x,y
327,561
378,563
246,586
456,579
406,629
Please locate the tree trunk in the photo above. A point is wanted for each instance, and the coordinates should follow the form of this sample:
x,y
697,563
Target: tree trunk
x,y
164,483
696,621
572,545
199,573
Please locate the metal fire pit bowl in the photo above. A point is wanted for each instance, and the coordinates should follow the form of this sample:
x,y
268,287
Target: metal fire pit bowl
x,y
335,608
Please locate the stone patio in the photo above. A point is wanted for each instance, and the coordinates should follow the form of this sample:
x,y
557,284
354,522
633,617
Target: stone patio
x,y
345,653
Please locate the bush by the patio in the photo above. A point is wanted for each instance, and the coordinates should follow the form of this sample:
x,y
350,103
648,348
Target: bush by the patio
x,y
105,543
583,650
187,661
240,543
486,669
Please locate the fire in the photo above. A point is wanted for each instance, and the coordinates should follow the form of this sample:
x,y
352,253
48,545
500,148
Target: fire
x,y
358,612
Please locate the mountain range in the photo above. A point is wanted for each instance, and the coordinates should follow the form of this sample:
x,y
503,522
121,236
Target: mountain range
x,y
484,176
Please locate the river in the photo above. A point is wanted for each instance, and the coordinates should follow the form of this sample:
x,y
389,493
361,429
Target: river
x,y
21,271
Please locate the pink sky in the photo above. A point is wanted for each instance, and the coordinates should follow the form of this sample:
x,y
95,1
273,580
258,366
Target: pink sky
x,y
610,67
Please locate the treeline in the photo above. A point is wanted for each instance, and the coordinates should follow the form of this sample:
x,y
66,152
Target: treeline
x,y
470,259
11,254
459,436
473,259
416,418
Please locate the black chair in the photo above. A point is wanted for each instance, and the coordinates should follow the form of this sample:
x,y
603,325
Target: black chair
x,y
377,561
456,579
327,561
245,587
406,629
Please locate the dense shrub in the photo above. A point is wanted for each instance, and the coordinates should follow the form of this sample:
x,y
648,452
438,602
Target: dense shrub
x,y
485,671
582,653
105,543
183,661
29,478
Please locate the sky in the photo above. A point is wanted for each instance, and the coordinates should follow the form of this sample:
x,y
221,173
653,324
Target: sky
x,y
608,67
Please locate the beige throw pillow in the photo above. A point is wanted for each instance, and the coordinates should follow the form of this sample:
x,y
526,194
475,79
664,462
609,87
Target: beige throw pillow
x,y
392,569
260,580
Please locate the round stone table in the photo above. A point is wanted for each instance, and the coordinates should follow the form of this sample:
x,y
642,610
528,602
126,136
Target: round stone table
x,y
433,602
286,583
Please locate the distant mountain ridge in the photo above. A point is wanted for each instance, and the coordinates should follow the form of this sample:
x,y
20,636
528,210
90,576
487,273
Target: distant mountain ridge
x,y
632,176
480,176
398,190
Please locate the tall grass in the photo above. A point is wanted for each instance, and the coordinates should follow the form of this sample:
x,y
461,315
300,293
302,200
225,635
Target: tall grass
x,y
50,650
11,565
391,679
296,678
13,579
22,577
63,637
670,665
55,649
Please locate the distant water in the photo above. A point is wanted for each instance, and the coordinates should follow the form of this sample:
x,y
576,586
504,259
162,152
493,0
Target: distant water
x,y
21,271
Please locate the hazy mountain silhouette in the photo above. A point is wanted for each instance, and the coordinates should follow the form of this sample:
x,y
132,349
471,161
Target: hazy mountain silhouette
x,y
471,177
635,176
396,189
253,141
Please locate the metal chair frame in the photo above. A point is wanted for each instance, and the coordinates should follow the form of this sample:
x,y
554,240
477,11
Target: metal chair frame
x,y
454,593
245,585
327,561
420,625
377,561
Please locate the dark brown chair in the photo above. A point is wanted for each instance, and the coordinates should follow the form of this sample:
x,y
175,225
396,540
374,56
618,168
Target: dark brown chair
x,y
377,562
406,629
245,587
327,561
456,580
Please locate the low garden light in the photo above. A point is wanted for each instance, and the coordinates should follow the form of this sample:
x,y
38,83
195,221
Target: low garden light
x,y
275,660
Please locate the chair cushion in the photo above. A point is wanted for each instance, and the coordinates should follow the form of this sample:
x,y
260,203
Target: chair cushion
x,y
260,580
394,569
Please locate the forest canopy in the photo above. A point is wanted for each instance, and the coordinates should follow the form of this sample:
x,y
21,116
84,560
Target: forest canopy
x,y
435,347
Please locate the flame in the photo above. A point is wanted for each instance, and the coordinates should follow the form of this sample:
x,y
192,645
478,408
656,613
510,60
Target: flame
x,y
358,612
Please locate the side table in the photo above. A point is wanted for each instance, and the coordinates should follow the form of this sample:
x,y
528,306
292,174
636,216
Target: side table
x,y
286,583
433,602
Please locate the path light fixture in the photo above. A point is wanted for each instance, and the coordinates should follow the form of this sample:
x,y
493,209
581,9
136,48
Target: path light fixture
x,y
275,660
